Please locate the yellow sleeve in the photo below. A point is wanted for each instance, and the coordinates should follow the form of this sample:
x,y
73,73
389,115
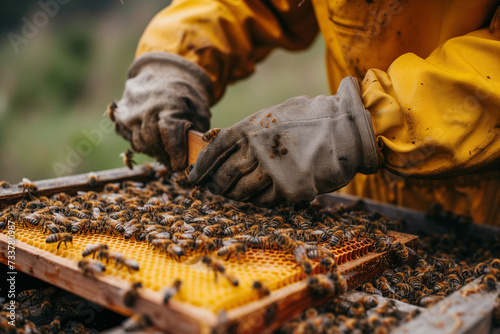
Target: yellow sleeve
x,y
440,116
227,37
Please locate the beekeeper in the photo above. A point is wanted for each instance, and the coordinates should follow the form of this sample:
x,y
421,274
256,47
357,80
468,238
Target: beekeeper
x,y
415,117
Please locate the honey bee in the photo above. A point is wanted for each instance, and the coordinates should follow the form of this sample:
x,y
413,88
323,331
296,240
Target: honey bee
x,y
28,186
480,268
277,222
175,251
131,229
128,158
495,263
489,282
113,225
311,313
234,249
455,281
170,292
205,244
397,278
187,244
55,324
286,243
258,241
385,287
178,210
300,252
442,265
261,288
190,215
91,267
93,179
415,282
337,238
343,306
321,285
4,184
329,263
161,243
130,296
32,295
215,265
402,254
403,289
130,264
211,230
49,226
32,219
368,302
46,307
60,238
235,229
303,223
111,110
210,135
382,244
136,322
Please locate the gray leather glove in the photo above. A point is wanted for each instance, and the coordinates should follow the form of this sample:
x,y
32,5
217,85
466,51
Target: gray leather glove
x,y
292,151
165,95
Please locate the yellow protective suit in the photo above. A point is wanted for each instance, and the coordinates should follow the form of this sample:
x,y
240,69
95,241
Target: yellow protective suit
x,y
429,73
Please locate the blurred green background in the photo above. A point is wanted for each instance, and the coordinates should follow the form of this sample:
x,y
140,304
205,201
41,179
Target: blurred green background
x,y
55,89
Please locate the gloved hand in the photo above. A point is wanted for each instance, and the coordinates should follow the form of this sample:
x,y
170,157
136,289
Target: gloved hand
x,y
165,95
292,151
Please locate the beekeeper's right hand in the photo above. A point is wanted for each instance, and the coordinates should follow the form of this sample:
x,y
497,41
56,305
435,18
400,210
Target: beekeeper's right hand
x,y
165,96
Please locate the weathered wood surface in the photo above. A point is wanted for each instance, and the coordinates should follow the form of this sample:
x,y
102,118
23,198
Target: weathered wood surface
x,y
403,308
467,311
81,182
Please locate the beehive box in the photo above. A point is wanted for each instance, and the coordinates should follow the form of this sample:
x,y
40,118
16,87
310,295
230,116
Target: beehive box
x,y
202,304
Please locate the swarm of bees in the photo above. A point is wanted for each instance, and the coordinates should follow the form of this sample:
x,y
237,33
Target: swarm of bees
x,y
47,310
444,266
180,221
340,315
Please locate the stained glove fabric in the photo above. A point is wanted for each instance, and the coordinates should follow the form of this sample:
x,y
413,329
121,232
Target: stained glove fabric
x,y
292,151
165,96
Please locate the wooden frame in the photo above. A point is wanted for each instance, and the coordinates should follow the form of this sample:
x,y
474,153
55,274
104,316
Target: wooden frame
x,y
264,314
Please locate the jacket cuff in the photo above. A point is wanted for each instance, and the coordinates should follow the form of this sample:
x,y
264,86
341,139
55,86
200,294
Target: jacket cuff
x,y
353,105
194,73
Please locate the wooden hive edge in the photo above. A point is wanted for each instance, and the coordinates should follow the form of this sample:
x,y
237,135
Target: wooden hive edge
x,y
72,184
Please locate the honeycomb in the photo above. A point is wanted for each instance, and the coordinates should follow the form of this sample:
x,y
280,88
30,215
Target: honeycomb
x,y
275,268
146,204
